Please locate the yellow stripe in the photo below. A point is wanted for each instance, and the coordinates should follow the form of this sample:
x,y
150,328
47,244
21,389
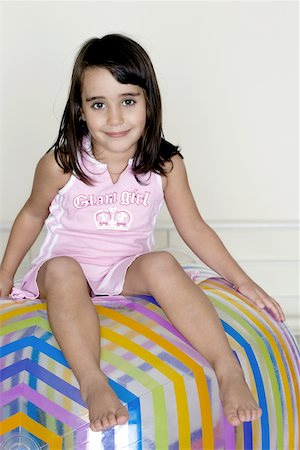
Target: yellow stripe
x,y
24,310
111,346
203,394
21,420
4,305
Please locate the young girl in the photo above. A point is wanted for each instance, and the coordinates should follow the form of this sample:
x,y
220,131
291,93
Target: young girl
x,y
100,187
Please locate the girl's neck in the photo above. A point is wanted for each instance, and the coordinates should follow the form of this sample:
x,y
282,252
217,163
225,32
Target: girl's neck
x,y
113,159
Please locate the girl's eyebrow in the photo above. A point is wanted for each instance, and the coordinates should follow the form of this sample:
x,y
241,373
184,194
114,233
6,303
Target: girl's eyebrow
x,y
100,97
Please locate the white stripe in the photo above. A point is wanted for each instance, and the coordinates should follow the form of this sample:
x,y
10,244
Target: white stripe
x,y
68,184
51,238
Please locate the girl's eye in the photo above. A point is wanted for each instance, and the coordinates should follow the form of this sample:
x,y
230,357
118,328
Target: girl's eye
x,y
98,105
129,102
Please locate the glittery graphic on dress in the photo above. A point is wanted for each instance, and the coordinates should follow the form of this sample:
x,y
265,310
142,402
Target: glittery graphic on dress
x,y
126,198
113,219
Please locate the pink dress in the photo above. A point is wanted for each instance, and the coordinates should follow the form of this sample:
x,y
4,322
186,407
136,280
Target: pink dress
x,y
104,226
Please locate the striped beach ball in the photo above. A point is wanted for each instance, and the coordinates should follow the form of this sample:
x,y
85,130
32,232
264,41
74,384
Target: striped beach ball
x,y
169,389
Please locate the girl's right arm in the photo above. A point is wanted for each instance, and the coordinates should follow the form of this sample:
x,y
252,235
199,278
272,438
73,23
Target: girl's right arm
x,y
48,179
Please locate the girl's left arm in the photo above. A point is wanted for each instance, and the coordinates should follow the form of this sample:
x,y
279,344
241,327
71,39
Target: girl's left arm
x,y
205,243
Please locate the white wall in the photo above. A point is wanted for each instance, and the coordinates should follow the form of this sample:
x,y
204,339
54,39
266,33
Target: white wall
x,y
228,72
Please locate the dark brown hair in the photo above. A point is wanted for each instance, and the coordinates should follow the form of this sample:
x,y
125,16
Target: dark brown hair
x,y
128,62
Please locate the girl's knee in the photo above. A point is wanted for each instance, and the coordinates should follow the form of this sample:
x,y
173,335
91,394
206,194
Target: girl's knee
x,y
160,263
60,268
148,271
61,276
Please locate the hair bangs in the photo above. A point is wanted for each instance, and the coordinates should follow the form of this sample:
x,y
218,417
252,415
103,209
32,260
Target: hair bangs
x,y
125,60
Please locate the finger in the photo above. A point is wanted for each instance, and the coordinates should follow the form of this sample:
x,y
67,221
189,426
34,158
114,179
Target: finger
x,y
274,307
259,299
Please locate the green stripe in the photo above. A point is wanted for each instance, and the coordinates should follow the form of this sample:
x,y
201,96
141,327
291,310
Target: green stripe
x,y
266,361
157,391
26,323
51,365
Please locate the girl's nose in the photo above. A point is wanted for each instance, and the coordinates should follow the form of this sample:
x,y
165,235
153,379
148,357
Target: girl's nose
x,y
115,116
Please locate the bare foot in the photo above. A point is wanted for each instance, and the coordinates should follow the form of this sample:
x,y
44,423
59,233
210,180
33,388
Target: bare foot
x,y
238,402
105,409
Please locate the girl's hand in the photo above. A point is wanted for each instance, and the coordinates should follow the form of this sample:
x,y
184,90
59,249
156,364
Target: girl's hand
x,y
260,298
6,284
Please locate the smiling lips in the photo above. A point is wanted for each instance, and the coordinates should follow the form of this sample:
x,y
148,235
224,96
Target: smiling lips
x,y
118,134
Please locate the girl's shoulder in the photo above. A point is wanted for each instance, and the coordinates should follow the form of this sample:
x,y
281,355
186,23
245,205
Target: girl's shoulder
x,y
174,170
49,168
170,159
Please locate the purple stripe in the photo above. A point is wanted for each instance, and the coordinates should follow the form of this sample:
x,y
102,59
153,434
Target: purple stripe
x,y
129,356
292,345
42,374
185,346
229,435
158,319
50,408
149,344
109,369
10,395
42,402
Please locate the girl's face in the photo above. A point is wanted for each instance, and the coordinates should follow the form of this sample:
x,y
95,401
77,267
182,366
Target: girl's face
x,y
115,114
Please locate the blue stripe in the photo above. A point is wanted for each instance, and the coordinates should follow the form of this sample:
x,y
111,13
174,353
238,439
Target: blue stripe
x,y
135,418
248,438
149,299
36,344
13,369
134,409
108,440
32,381
265,430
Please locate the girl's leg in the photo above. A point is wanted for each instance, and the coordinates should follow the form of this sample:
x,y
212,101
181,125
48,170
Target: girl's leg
x,y
75,324
190,311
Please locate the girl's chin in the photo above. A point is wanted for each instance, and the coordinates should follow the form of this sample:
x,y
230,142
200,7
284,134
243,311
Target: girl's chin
x,y
115,147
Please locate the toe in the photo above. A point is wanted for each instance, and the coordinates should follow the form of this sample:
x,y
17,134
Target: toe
x,y
96,425
232,417
242,414
248,414
105,423
256,413
122,417
234,420
112,419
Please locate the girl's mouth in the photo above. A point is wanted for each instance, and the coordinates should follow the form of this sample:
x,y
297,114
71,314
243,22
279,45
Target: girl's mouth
x,y
117,134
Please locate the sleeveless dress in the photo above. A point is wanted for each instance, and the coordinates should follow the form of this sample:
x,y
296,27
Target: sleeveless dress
x,y
104,226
